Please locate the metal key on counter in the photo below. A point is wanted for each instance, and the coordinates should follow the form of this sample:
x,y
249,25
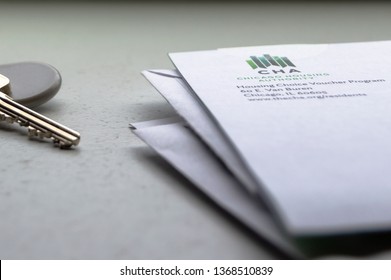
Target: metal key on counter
x,y
33,94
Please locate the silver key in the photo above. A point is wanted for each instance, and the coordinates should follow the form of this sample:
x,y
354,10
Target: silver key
x,y
38,125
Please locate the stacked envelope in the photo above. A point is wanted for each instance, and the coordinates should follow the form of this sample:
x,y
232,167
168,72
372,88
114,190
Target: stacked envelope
x,y
292,140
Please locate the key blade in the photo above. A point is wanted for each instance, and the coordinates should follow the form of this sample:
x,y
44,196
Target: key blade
x,y
45,127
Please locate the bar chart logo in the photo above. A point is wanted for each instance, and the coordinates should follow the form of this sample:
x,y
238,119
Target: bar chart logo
x,y
267,60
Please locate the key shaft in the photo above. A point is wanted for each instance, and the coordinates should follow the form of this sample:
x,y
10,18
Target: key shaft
x,y
38,124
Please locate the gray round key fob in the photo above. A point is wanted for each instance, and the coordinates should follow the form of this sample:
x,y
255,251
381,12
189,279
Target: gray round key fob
x,y
31,83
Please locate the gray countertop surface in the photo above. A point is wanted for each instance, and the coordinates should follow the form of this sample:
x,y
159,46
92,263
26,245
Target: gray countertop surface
x,y
112,197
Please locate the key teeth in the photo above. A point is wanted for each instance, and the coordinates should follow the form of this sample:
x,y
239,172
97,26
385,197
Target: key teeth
x,y
65,146
61,144
32,131
56,142
7,118
40,134
43,134
37,125
23,122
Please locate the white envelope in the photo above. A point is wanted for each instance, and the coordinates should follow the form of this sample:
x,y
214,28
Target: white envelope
x,y
184,150
172,87
313,132
189,155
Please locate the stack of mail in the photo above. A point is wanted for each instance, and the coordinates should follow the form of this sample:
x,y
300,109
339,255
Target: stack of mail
x,y
292,140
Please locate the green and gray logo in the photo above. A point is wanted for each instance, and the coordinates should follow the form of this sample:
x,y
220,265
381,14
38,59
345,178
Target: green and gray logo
x,y
267,60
